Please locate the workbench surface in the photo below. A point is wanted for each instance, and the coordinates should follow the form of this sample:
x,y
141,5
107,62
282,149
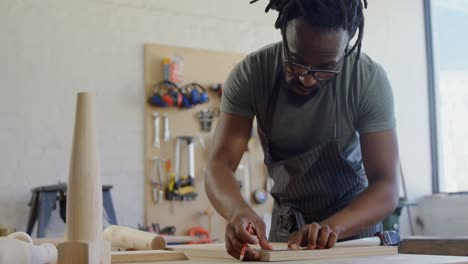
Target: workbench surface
x,y
400,258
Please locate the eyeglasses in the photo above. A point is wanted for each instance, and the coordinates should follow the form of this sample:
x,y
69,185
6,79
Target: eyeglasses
x,y
308,76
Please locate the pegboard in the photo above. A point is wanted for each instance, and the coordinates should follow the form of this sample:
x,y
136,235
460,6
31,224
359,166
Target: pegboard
x,y
207,68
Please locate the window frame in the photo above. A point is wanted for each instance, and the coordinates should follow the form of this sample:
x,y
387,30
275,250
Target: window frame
x,y
431,83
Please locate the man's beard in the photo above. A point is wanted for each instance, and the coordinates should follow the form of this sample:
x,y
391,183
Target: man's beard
x,y
297,99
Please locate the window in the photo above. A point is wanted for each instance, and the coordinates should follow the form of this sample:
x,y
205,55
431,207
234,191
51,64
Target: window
x,y
447,31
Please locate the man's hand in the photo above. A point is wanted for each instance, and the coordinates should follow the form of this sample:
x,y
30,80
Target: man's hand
x,y
236,234
313,236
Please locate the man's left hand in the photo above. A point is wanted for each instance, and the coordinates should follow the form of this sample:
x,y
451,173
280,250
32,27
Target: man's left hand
x,y
313,236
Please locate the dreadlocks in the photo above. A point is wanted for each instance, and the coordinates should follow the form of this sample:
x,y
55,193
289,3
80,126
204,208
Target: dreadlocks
x,y
329,14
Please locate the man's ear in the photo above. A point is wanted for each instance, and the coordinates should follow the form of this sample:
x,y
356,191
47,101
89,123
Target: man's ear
x,y
348,42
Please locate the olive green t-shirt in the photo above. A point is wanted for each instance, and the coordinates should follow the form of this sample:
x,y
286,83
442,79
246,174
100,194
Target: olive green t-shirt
x,y
364,103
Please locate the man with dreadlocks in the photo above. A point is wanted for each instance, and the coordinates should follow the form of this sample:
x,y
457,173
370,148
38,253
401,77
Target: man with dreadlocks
x,y
326,124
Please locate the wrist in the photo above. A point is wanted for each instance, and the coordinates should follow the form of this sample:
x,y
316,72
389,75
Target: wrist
x,y
336,226
239,209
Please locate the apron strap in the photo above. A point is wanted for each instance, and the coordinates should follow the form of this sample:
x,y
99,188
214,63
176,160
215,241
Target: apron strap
x,y
334,125
267,122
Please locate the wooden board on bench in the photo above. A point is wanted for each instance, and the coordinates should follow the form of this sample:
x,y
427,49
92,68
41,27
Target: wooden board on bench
x,y
146,256
280,252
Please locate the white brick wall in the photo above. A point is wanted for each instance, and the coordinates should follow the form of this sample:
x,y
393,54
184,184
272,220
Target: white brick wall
x,y
51,49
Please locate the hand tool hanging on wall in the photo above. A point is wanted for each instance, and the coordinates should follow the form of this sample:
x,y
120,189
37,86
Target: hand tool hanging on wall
x,y
183,187
170,177
156,142
189,179
166,134
168,230
157,180
205,117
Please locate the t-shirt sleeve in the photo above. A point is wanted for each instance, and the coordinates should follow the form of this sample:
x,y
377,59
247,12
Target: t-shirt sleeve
x,y
376,108
238,89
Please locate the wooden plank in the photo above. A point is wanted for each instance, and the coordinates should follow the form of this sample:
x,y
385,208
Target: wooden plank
x,y
180,239
221,246
169,239
393,259
215,250
450,246
146,256
211,246
280,252
344,252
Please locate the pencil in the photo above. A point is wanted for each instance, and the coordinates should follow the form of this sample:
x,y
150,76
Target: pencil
x,y
244,246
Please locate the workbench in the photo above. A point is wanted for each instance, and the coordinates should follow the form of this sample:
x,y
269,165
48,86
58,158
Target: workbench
x,y
455,251
400,258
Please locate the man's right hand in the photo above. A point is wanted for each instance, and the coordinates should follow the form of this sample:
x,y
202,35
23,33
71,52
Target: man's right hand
x,y
229,144
236,234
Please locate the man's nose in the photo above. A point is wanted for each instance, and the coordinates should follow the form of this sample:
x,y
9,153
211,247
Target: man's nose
x,y
308,81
